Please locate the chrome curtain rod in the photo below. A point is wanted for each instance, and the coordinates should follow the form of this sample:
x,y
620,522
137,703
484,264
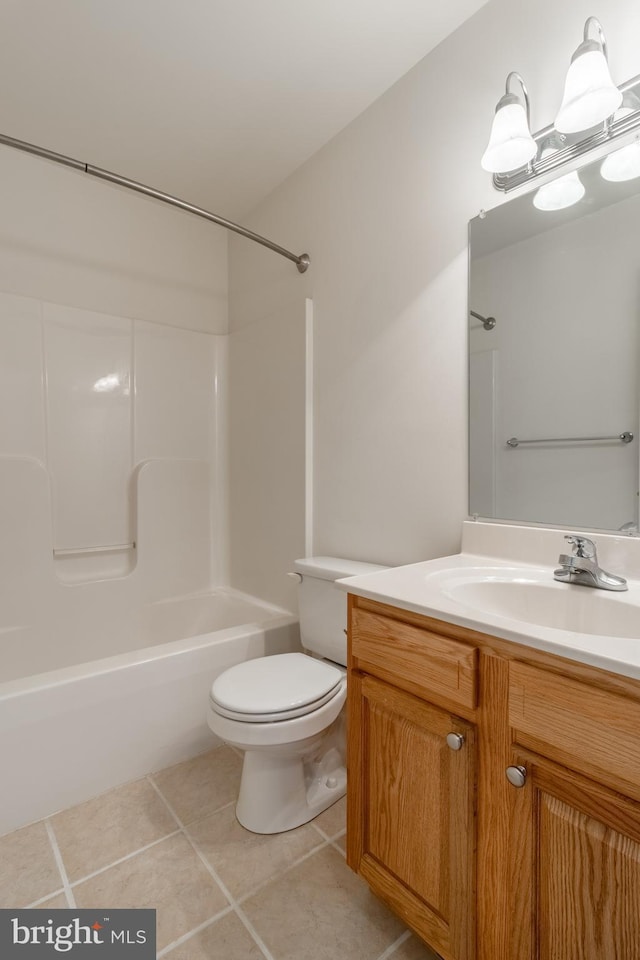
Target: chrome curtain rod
x,y
625,437
302,261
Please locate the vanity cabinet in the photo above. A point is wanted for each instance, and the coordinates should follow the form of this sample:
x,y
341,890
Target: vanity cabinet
x,y
412,777
576,819
523,843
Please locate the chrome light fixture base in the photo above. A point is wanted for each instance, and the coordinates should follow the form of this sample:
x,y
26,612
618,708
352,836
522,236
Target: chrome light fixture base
x,y
575,145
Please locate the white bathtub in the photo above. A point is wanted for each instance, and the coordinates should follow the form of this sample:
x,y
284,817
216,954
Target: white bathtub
x,y
72,732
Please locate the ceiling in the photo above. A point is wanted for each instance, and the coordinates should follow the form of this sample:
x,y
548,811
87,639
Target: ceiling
x,y
215,101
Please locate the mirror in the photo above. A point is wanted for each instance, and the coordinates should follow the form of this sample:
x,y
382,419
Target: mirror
x,y
554,311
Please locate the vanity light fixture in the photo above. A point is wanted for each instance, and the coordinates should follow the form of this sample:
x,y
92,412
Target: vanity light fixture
x,y
622,164
561,192
590,117
590,95
510,143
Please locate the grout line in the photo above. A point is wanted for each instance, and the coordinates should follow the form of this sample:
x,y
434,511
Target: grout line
x,y
291,866
175,816
332,840
202,753
253,932
36,903
329,837
187,936
129,856
71,900
192,843
394,946
343,853
234,905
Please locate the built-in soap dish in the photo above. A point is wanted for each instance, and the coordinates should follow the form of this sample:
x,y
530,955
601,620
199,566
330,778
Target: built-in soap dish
x,y
100,562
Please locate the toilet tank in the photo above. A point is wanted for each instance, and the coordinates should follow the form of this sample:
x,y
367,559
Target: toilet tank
x,y
323,606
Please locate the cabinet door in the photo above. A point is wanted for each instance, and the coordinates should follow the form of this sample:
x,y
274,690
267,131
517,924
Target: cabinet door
x,y
575,868
410,822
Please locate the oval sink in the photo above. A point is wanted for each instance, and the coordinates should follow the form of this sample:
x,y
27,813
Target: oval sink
x,y
557,605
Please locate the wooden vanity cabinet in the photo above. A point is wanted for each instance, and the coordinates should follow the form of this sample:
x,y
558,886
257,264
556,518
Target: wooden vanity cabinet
x,y
545,866
575,881
412,778
576,823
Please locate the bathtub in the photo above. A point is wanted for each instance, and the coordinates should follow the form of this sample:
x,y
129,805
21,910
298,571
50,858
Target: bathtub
x,y
69,733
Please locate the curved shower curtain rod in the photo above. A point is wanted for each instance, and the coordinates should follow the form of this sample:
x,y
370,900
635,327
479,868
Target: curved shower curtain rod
x,y
302,261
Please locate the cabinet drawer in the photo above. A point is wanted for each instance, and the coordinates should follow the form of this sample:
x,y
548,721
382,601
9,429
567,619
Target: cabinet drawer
x,y
421,662
585,728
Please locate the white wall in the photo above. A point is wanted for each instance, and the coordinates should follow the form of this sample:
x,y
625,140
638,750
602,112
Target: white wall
x,y
383,212
266,427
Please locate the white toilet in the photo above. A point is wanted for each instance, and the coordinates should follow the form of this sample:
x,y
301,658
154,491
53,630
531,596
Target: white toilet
x,y
286,711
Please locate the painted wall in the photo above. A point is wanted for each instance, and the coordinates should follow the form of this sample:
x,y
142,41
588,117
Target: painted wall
x,y
383,212
113,319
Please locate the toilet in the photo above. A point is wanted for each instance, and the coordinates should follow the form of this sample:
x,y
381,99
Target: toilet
x,y
286,712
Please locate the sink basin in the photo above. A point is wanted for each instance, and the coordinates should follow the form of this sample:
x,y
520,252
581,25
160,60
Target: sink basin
x,y
546,603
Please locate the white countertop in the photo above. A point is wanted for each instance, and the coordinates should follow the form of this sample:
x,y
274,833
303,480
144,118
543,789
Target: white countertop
x,y
432,588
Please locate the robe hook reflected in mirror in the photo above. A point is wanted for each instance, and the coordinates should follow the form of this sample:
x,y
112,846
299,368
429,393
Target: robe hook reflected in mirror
x,y
487,322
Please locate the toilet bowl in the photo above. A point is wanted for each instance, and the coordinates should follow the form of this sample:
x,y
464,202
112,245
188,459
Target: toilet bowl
x,y
294,763
286,712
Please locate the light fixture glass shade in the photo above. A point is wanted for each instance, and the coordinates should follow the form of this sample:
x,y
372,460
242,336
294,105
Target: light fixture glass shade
x,y
590,95
623,164
560,193
510,143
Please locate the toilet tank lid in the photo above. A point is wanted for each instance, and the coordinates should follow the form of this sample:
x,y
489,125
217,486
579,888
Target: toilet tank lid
x,y
334,568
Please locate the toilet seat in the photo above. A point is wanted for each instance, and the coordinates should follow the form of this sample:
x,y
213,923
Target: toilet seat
x,y
271,689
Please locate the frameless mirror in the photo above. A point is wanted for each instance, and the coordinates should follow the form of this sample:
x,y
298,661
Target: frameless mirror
x,y
554,311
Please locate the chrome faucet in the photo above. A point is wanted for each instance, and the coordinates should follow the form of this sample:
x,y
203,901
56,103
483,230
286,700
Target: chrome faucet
x,y
582,567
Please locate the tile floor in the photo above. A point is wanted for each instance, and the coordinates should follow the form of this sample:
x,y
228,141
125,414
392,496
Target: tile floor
x,y
171,841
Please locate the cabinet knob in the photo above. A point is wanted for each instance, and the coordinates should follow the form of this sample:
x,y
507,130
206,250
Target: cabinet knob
x,y
517,776
455,741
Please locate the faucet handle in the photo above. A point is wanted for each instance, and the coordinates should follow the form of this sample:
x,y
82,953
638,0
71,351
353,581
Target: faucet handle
x,y
582,547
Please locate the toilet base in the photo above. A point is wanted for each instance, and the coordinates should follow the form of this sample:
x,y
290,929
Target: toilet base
x,y
279,791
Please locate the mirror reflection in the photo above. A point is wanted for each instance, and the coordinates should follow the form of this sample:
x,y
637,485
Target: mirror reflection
x,y
554,305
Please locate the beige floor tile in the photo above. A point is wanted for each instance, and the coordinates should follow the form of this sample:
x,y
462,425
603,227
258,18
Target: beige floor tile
x,y
320,910
243,860
413,949
333,820
169,877
341,842
199,787
28,868
226,939
96,833
59,902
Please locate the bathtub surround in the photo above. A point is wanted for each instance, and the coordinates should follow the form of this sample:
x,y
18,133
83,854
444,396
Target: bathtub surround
x,y
67,239
113,322
109,452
